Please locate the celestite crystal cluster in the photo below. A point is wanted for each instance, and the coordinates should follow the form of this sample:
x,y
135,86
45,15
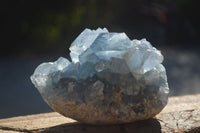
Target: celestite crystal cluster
x,y
110,80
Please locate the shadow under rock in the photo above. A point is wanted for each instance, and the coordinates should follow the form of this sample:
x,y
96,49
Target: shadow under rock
x,y
145,126
195,130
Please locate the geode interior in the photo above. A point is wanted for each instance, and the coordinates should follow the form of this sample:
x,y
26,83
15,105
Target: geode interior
x,y
110,80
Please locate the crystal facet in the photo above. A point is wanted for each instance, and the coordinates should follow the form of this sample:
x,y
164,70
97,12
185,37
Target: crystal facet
x,y
111,79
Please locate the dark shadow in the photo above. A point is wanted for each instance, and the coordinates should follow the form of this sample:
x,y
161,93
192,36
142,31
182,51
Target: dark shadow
x,y
195,130
145,126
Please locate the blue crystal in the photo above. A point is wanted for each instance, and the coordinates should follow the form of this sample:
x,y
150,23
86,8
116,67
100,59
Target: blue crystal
x,y
111,79
83,42
111,41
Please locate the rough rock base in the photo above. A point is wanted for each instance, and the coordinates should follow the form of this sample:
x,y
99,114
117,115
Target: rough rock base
x,y
182,114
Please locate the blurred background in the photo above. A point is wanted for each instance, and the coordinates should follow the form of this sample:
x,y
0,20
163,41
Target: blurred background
x,y
34,31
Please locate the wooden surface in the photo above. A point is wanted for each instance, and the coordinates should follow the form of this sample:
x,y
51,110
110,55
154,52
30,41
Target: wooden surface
x,y
182,114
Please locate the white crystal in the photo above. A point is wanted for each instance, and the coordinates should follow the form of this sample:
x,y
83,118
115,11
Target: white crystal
x,y
107,55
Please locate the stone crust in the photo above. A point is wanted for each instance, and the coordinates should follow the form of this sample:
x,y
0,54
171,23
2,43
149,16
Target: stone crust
x,y
181,115
104,103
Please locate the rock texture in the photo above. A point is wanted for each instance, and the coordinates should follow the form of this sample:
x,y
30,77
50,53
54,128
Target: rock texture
x,y
181,115
110,80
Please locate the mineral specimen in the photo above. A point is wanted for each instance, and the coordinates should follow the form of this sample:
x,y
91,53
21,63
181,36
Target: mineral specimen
x,y
110,80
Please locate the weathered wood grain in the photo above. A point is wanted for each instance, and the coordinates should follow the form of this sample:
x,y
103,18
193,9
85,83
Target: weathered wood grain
x,y
182,114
